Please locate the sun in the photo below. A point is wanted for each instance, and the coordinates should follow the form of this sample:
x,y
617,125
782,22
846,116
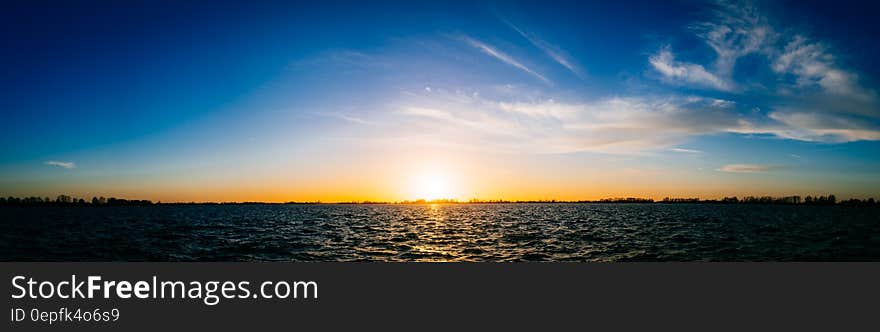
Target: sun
x,y
433,185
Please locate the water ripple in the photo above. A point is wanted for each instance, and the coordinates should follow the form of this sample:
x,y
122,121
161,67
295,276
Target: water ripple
x,y
467,232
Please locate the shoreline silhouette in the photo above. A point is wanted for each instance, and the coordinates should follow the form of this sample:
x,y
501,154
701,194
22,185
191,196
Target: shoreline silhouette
x,y
809,200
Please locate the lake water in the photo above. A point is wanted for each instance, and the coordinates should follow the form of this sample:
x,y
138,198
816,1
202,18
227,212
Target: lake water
x,y
465,232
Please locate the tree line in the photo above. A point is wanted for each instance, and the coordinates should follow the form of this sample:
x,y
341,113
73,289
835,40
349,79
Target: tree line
x,y
785,200
65,200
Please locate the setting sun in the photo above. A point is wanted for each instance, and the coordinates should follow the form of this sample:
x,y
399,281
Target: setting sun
x,y
433,185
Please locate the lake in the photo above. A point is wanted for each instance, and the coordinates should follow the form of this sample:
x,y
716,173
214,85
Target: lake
x,y
454,232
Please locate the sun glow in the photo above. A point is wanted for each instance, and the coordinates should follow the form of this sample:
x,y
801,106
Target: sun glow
x,y
433,185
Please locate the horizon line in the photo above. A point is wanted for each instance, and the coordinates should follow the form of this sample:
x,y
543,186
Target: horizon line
x,y
785,199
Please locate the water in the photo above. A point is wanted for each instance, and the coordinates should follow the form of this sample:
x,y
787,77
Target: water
x,y
467,232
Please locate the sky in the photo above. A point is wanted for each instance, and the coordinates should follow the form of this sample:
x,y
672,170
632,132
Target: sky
x,y
387,101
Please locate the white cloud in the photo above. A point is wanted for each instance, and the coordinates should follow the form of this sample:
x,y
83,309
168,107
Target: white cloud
x,y
611,125
347,117
62,164
548,109
437,114
616,125
813,65
738,29
552,51
747,168
816,98
823,126
682,150
503,57
687,73
809,97
354,119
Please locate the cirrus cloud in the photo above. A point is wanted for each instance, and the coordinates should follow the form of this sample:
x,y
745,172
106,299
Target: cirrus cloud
x,y
685,73
816,99
62,164
501,56
552,51
748,168
617,125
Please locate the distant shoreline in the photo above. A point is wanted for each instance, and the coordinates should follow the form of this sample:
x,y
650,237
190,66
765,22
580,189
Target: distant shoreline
x,y
830,200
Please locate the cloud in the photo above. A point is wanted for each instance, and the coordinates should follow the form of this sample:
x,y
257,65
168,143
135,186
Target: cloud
x,y
438,115
681,150
815,98
808,96
552,51
738,29
62,164
350,118
747,168
503,57
518,122
824,127
617,125
686,73
813,65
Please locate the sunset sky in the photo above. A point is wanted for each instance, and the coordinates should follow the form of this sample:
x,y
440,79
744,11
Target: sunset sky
x,y
338,101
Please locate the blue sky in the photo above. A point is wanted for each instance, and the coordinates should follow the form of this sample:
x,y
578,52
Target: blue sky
x,y
348,101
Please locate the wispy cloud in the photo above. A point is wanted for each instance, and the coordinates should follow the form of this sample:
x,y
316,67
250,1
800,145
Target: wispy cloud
x,y
748,168
815,98
685,73
681,150
62,164
807,124
349,118
543,125
812,65
503,57
738,29
552,51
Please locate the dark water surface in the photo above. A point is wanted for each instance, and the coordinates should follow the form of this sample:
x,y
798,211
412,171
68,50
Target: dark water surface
x,y
466,232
